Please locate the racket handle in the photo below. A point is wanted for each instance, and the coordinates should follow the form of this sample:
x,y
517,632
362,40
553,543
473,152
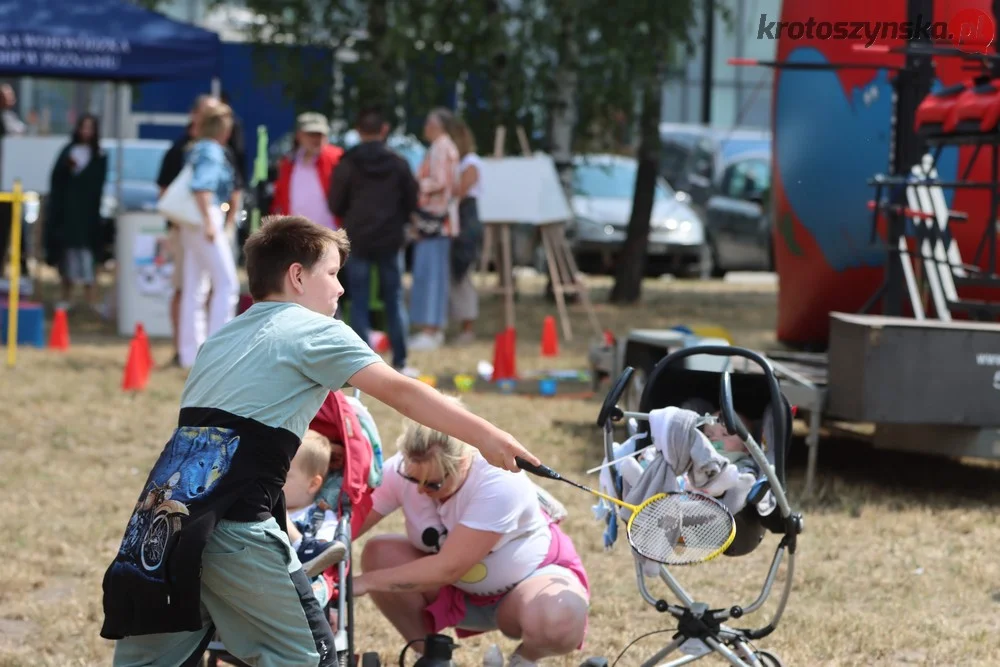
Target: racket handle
x,y
540,470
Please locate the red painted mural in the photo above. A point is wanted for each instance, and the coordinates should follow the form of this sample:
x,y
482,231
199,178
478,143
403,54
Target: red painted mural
x,y
832,133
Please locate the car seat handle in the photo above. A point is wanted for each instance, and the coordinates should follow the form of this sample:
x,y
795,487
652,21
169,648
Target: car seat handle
x,y
733,423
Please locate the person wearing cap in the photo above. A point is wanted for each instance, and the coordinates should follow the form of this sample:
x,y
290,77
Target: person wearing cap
x,y
304,175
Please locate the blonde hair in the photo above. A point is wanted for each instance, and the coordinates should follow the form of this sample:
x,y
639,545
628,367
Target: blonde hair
x,y
215,119
463,138
313,455
420,444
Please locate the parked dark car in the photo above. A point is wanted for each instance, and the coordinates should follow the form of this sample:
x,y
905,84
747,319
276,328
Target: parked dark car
x,y
693,157
738,216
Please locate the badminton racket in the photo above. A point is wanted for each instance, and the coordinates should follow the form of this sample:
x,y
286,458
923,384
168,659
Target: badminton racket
x,y
669,528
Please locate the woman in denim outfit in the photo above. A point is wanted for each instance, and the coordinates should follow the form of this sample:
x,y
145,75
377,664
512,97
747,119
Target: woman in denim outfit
x,y
206,247
437,177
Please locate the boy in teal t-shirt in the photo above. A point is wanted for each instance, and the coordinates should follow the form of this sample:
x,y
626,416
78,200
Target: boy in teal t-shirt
x,y
205,548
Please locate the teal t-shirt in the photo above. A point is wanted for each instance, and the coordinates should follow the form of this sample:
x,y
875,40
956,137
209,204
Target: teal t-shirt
x,y
275,364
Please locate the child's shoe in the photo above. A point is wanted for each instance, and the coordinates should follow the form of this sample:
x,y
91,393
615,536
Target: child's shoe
x,y
517,661
493,657
318,556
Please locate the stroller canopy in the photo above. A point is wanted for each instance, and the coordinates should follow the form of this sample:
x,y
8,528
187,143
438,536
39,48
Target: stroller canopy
x,y
339,422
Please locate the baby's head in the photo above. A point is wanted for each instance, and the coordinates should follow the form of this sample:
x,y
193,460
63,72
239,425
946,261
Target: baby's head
x,y
721,437
309,468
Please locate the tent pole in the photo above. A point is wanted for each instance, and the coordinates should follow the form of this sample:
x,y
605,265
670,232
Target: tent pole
x,y
120,147
216,87
120,109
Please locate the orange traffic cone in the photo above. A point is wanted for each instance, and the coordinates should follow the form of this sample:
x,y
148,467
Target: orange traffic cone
x,y
147,350
550,339
136,372
59,336
510,353
499,358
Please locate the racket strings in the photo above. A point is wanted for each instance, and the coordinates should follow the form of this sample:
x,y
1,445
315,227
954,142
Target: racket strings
x,y
680,529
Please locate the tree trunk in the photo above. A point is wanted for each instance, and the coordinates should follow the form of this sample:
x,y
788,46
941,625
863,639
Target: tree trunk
x,y
498,92
374,86
563,105
632,261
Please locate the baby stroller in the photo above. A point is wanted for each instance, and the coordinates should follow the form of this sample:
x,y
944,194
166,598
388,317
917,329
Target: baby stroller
x,y
342,419
701,629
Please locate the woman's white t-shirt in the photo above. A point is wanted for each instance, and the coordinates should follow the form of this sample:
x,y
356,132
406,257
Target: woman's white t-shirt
x,y
80,154
473,160
491,500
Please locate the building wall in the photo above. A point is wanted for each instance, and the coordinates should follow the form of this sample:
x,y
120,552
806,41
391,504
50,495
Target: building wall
x,y
740,95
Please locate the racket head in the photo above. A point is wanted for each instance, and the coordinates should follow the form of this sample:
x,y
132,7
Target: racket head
x,y
681,528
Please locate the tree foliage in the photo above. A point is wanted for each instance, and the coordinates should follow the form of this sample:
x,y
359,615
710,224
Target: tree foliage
x,y
499,62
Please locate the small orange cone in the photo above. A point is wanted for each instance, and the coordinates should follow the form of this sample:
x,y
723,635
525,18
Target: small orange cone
x,y
550,339
136,371
499,359
510,353
504,363
147,350
59,336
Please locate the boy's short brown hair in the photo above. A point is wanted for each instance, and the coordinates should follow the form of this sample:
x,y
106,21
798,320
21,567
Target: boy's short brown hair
x,y
313,455
281,241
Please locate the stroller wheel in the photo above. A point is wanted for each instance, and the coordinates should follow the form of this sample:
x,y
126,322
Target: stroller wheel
x,y
769,659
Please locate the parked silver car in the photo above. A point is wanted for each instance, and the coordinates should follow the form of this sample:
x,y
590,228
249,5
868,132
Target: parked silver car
x,y
603,188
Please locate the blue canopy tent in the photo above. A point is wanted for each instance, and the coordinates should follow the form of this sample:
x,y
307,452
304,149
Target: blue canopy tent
x,y
103,40
107,40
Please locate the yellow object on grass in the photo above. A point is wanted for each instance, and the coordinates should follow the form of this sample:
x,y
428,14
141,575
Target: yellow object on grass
x,y
711,331
16,198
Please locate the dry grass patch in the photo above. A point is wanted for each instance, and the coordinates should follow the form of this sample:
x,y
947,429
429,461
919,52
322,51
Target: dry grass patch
x,y
897,566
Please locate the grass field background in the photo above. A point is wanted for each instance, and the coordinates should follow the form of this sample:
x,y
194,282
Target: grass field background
x,y
898,564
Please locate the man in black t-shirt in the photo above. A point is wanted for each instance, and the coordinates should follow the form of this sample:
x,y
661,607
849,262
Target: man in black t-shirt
x,y
170,168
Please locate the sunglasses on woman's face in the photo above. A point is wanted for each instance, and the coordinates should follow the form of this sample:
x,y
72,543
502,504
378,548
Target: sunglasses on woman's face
x,y
430,486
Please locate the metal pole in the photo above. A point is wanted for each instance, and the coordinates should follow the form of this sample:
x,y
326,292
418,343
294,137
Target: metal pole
x,y
912,85
706,54
15,274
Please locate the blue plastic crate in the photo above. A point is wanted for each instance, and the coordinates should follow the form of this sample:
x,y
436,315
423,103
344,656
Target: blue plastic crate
x,y
30,323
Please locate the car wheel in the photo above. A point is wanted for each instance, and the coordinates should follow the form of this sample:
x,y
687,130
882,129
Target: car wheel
x,y
710,267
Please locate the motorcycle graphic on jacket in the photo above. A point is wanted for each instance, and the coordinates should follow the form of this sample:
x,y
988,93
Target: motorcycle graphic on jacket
x,y
166,521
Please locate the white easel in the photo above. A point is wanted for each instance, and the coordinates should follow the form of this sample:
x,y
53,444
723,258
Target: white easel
x,y
527,190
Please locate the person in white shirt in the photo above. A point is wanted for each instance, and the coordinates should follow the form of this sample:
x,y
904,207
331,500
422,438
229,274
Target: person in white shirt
x,y
463,299
479,553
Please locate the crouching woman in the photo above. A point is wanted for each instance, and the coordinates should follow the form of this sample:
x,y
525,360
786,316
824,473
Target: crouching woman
x,y
479,553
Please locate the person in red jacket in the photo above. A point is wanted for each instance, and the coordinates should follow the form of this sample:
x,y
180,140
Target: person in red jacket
x,y
304,176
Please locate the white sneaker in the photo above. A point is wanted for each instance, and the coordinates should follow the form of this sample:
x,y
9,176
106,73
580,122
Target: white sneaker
x,y
517,661
425,342
409,371
327,558
493,657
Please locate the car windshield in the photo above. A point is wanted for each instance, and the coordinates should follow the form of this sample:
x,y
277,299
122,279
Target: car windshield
x,y
142,163
733,147
612,181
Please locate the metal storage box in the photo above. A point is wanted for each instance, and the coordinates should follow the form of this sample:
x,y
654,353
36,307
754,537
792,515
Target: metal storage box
x,y
904,371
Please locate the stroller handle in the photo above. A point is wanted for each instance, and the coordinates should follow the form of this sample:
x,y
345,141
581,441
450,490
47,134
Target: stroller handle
x,y
725,389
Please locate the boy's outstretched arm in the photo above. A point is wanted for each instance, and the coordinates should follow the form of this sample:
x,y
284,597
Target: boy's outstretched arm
x,y
425,405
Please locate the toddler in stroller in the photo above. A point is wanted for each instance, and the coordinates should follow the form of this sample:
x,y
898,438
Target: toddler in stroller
x,y
672,435
311,522
329,518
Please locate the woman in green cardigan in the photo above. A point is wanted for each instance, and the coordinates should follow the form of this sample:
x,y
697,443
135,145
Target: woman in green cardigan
x,y
73,225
